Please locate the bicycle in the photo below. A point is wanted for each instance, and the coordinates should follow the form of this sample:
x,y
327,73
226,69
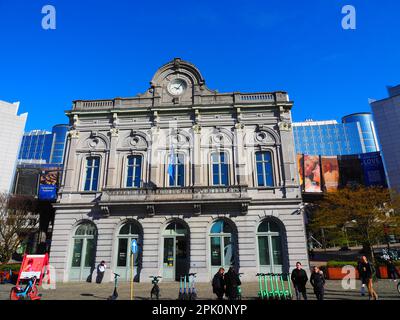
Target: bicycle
x,y
30,292
192,292
239,289
155,291
114,296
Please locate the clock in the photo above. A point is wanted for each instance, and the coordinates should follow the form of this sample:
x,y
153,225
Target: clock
x,y
177,86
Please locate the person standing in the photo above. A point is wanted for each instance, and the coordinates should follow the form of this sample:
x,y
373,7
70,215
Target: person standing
x,y
218,284
392,271
232,282
299,278
101,268
317,280
366,273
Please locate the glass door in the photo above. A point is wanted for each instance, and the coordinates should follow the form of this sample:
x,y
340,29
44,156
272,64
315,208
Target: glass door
x,y
169,258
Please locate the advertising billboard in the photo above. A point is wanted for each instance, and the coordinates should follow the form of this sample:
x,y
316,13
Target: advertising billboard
x,y
300,168
330,173
312,174
351,173
374,173
48,185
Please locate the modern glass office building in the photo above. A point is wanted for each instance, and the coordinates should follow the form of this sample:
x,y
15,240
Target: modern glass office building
x,y
355,135
43,147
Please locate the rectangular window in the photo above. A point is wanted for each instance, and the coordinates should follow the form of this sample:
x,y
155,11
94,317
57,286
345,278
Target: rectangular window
x,y
134,171
263,250
264,169
122,252
176,171
92,173
220,173
76,255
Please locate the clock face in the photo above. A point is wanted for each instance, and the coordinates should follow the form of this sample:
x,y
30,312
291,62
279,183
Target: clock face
x,y
177,86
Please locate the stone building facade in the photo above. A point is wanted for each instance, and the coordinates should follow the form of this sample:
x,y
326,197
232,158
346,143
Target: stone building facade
x,y
199,179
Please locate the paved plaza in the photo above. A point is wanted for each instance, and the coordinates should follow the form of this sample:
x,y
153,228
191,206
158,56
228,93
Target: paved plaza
x,y
386,290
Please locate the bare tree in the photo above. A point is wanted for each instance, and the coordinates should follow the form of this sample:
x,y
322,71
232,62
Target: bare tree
x,y
18,218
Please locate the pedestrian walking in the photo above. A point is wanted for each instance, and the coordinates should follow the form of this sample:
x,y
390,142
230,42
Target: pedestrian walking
x,y
232,282
218,284
101,268
365,270
317,280
299,278
393,273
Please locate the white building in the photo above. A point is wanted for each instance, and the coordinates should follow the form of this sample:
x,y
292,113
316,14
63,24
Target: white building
x,y
387,121
200,179
11,132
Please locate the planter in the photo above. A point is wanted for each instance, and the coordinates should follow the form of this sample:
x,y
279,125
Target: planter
x,y
383,272
337,273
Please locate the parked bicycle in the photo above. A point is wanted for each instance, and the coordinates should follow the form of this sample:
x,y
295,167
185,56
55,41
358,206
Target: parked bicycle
x,y
155,291
30,292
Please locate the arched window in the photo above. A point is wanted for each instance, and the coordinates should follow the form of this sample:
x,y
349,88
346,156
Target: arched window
x,y
92,173
264,169
84,251
176,170
222,240
128,232
269,246
220,173
134,171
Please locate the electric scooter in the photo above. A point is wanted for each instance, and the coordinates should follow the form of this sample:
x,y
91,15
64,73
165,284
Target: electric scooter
x,y
183,294
30,292
155,291
261,293
239,289
114,296
192,293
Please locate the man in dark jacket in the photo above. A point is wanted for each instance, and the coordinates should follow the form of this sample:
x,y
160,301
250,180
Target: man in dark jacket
x,y
232,282
299,278
218,284
317,280
392,271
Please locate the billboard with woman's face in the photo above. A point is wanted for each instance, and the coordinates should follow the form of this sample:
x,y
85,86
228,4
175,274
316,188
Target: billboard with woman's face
x,y
312,174
300,168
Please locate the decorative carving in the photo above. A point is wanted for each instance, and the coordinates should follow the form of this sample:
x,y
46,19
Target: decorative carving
x,y
114,132
285,126
197,128
105,210
150,209
197,209
244,208
74,134
115,120
239,125
75,121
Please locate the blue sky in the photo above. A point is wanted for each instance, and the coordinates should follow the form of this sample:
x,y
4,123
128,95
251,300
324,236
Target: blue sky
x,y
105,49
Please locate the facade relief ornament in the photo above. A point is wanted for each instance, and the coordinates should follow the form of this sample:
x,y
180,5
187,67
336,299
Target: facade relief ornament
x,y
239,126
74,134
197,128
114,132
285,126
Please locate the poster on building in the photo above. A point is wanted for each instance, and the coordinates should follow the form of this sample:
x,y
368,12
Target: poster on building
x,y
330,173
48,185
312,174
300,168
350,171
374,173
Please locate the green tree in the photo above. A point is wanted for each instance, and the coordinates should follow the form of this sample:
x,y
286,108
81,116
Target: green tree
x,y
368,212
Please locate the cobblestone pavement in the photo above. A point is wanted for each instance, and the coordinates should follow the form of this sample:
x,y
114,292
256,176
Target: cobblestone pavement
x,y
386,290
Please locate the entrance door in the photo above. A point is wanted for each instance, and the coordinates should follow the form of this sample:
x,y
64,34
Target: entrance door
x,y
175,257
269,247
83,252
127,233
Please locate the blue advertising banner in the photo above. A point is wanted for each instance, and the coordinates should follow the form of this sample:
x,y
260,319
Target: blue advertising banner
x,y
47,192
374,173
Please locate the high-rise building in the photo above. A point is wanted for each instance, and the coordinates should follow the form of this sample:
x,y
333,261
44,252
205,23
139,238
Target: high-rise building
x,y
11,132
355,135
43,147
387,118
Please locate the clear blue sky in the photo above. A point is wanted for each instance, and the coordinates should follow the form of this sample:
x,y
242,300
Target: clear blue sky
x,y
105,49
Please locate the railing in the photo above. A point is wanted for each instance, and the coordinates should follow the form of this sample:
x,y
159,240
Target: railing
x,y
257,97
185,194
94,104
